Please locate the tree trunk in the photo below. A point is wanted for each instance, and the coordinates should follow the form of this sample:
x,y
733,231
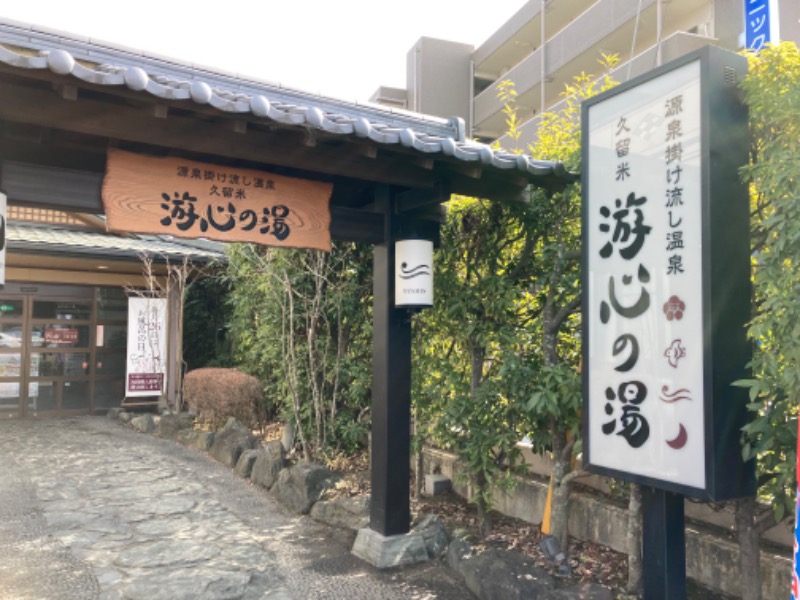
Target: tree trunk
x,y
634,540
484,515
749,549
559,506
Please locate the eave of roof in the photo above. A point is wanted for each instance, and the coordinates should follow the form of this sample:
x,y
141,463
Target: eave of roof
x,y
104,64
28,238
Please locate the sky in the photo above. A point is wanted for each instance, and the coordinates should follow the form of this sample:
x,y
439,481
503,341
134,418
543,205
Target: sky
x,y
339,48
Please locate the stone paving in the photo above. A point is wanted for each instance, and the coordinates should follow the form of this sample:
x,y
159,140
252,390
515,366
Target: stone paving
x,y
93,510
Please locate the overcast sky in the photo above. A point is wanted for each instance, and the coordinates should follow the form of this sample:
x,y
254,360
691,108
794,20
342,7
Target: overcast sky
x,y
341,48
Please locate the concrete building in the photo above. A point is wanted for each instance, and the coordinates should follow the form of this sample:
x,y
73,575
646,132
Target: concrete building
x,y
548,42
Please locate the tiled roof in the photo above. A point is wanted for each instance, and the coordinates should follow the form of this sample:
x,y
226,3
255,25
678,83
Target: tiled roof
x,y
104,64
23,237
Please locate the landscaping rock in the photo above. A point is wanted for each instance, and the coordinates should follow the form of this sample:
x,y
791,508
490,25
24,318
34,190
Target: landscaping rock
x,y
457,552
170,424
144,423
434,534
502,575
244,466
348,513
113,413
287,437
269,463
299,487
231,441
202,440
125,417
583,591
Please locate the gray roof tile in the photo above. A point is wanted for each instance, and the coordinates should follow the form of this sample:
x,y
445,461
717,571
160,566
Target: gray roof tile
x,y
111,65
32,238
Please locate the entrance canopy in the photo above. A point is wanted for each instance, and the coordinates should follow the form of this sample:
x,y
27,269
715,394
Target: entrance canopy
x,y
65,101
67,104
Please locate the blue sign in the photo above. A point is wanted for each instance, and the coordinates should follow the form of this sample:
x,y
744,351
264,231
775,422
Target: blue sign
x,y
760,17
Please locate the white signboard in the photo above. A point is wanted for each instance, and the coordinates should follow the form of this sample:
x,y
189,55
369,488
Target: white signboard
x,y
644,284
147,347
3,203
413,273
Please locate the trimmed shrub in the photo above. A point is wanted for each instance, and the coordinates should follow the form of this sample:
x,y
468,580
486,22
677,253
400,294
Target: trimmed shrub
x,y
216,394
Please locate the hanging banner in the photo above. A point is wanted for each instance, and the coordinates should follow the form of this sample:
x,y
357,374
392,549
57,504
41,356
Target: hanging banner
x,y
147,347
188,199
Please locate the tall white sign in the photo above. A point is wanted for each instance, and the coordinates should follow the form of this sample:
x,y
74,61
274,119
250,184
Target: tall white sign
x,y
147,347
645,303
666,278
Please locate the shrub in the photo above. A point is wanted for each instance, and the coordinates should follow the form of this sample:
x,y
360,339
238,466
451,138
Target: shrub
x,y
216,394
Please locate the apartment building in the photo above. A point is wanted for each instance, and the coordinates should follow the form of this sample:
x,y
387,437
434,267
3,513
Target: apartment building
x,y
547,43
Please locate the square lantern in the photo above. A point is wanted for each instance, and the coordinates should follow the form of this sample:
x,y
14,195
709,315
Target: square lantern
x,y
666,278
413,274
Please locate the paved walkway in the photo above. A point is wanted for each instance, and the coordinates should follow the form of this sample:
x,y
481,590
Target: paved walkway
x,y
90,509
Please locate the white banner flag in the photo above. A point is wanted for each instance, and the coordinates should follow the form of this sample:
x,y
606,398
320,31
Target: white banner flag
x,y
147,347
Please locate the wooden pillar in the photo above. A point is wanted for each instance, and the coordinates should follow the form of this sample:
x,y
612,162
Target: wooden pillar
x,y
390,511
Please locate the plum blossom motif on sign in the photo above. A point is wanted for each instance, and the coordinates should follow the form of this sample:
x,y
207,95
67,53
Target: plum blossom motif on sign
x,y
674,308
674,353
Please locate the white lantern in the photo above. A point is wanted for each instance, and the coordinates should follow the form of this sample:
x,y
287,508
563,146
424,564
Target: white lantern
x,y
413,274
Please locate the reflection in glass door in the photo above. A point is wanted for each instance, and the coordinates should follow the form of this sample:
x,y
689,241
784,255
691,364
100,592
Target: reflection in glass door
x,y
60,354
13,313
62,350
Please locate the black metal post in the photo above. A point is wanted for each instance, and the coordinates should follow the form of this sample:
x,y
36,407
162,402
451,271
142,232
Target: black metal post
x,y
663,545
390,508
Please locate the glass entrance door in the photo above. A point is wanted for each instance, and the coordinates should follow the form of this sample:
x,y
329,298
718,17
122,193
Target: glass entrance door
x,y
60,348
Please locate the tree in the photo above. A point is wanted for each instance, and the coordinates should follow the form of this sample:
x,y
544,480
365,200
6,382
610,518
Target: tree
x,y
477,321
301,323
502,355
557,399
772,93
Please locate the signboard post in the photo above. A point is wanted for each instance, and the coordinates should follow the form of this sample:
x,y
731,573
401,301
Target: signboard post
x,y
147,347
666,276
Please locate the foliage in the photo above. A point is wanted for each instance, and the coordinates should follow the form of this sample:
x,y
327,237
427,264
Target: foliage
x,y
502,346
205,317
772,93
479,317
300,322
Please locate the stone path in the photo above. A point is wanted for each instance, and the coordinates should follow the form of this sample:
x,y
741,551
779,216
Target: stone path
x,y
92,510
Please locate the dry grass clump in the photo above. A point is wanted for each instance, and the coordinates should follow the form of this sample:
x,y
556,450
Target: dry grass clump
x,y
215,394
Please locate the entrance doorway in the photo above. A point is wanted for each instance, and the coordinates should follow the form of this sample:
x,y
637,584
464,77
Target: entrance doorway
x,y
62,349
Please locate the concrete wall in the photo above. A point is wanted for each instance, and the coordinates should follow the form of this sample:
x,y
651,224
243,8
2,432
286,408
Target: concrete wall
x,y
711,559
439,78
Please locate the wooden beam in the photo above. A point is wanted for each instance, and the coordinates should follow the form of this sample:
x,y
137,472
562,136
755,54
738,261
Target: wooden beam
x,y
417,198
